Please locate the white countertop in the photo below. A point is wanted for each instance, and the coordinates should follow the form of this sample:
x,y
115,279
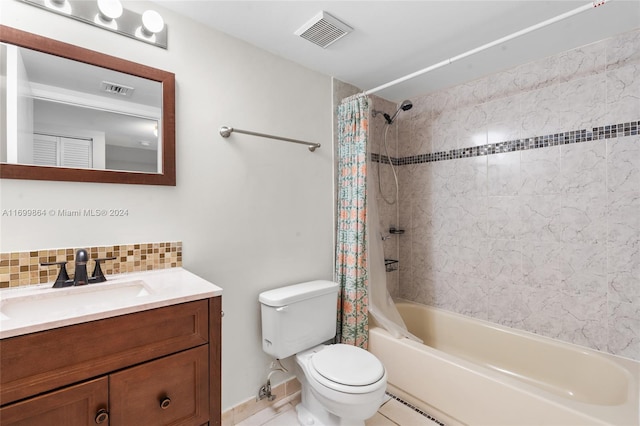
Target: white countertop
x,y
40,307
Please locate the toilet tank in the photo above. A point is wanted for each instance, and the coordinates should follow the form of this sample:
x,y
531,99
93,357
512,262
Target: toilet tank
x,y
298,317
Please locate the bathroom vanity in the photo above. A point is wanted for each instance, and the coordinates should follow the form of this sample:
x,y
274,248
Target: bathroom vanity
x,y
154,360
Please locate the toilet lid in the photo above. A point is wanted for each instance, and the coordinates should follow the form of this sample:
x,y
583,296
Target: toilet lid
x,y
347,365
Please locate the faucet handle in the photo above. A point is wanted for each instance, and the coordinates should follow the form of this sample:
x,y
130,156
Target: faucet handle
x,y
98,275
63,278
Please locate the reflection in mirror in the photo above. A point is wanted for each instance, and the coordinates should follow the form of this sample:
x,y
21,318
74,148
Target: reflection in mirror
x,y
68,113
73,114
115,141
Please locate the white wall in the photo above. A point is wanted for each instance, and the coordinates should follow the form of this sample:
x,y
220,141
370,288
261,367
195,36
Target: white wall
x,y
253,214
19,107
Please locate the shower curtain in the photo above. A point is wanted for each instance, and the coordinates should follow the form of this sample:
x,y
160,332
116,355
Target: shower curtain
x,y
381,305
351,244
360,268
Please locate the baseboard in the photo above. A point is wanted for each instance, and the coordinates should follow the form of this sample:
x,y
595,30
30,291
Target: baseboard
x,y
285,392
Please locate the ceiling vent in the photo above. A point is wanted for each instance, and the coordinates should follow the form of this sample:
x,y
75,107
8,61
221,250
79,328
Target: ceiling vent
x,y
323,30
116,89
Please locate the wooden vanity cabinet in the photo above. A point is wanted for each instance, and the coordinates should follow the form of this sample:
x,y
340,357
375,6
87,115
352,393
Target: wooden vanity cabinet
x,y
156,367
77,405
171,390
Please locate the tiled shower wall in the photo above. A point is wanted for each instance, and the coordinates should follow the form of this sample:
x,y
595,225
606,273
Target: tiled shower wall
x,y
385,189
537,234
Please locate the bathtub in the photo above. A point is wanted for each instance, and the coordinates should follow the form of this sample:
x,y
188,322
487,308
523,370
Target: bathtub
x,y
478,373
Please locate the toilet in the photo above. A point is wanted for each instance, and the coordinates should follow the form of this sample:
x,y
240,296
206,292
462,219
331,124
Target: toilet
x,y
341,384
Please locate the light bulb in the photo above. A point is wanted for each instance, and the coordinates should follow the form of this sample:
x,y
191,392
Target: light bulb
x,y
110,9
152,22
60,5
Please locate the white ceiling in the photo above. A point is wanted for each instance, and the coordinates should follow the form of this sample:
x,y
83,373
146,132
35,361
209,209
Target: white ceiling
x,y
395,38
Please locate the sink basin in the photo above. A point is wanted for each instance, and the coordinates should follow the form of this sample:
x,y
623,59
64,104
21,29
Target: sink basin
x,y
61,303
36,308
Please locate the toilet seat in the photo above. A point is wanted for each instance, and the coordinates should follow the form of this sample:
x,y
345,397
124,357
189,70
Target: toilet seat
x,y
347,369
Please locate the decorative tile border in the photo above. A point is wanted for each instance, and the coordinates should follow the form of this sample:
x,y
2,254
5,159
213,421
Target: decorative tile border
x,y
23,268
575,136
416,409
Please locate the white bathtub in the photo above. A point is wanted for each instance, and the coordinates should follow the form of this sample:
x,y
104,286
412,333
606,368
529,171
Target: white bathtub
x,y
478,373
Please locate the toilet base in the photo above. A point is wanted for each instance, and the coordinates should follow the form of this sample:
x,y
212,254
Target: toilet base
x,y
312,412
306,418
323,406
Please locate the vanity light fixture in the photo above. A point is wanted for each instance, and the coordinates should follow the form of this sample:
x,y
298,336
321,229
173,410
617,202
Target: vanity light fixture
x,y
60,6
152,23
108,12
148,27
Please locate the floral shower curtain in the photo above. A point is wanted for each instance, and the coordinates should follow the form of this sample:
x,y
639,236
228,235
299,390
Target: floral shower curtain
x,y
351,241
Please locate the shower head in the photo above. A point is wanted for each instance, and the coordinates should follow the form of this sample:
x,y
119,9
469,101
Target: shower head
x,y
404,106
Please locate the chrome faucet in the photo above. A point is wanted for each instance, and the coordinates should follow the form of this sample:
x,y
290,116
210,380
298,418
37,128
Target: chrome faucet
x,y
80,277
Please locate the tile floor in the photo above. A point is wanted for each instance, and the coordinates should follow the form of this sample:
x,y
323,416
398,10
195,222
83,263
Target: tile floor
x,y
391,413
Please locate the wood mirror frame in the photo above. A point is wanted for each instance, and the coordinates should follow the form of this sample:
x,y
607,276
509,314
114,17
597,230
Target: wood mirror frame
x,y
167,177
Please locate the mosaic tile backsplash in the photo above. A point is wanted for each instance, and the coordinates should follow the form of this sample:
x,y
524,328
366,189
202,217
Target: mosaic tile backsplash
x,y
520,197
23,268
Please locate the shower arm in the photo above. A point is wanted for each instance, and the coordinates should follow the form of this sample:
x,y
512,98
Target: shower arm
x,y
225,132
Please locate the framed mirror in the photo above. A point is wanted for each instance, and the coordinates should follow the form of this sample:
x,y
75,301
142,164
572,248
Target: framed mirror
x,y
73,114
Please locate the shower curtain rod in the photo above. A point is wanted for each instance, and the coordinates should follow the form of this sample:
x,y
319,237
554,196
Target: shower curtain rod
x,y
225,132
451,60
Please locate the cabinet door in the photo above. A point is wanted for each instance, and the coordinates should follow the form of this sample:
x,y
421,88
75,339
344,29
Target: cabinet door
x,y
173,390
77,405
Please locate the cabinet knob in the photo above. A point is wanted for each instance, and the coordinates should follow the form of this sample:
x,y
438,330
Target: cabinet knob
x,y
165,402
102,416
